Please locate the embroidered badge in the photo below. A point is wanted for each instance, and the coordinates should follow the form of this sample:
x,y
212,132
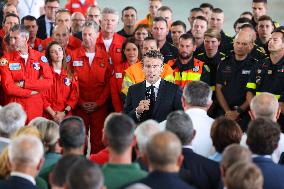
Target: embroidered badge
x,y
3,61
118,75
40,48
68,58
67,81
195,69
36,66
77,63
44,59
15,66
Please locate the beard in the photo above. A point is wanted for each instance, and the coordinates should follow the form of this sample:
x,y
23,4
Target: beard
x,y
184,56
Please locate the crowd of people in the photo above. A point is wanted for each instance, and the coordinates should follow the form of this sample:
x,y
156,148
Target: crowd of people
x,y
155,104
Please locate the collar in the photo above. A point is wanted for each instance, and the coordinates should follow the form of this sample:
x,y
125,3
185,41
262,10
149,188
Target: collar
x,y
263,156
156,85
6,140
187,146
47,21
25,176
196,110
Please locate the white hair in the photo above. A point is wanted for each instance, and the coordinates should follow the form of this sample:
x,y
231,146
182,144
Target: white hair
x,y
25,150
145,131
109,11
12,117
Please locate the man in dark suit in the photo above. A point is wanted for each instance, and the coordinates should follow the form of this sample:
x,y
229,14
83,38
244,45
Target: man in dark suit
x,y
164,154
45,22
153,98
196,169
262,139
26,158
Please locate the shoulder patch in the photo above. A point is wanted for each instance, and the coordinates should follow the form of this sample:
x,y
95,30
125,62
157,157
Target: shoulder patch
x,y
68,58
3,61
43,59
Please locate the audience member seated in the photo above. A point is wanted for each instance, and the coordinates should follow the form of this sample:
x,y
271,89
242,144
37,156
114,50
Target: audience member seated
x,y
25,155
196,169
262,139
244,175
57,178
12,117
165,157
85,175
143,133
223,133
119,171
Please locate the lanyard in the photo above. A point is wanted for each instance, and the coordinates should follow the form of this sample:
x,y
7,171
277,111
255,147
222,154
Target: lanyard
x,y
30,6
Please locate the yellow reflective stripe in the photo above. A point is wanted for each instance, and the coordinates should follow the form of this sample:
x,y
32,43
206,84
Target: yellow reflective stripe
x,y
169,78
276,96
187,76
126,83
251,85
213,88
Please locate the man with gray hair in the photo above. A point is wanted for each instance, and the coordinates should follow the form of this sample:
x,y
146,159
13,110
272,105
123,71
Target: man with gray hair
x,y
265,105
111,42
196,100
25,74
143,133
197,170
25,155
12,117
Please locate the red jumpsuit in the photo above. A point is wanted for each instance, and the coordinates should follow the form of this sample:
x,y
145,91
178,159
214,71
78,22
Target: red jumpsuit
x,y
36,75
37,45
94,87
77,6
63,92
73,42
116,65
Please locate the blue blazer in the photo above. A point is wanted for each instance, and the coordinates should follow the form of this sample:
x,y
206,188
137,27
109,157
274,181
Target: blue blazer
x,y
168,100
14,182
199,171
273,174
162,180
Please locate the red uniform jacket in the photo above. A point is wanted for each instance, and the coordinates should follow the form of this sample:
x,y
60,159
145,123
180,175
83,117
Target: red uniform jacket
x,y
37,45
36,75
63,92
73,43
93,79
77,6
117,67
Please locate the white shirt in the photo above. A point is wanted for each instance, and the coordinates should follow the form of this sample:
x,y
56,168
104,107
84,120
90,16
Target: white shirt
x,y
48,26
277,152
107,43
25,56
156,86
202,142
25,176
30,7
91,57
57,71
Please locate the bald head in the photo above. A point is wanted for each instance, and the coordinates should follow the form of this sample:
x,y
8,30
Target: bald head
x,y
264,105
243,44
164,151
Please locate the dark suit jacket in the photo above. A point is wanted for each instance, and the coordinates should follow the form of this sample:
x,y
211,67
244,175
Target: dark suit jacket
x,y
41,33
162,180
272,173
15,182
168,100
199,171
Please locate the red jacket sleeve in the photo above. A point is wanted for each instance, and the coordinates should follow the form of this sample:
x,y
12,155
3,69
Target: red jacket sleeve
x,y
9,86
74,93
43,83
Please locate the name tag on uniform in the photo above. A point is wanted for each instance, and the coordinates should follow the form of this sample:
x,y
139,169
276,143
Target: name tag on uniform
x,y
118,75
75,5
15,66
77,63
245,72
36,66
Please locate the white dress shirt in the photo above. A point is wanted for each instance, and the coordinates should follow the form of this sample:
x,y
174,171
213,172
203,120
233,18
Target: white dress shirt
x,y
202,142
30,7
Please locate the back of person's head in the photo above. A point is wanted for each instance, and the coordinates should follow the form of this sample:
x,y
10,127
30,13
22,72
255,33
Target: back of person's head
x,y
138,186
49,131
72,133
234,153
119,131
26,150
224,132
264,105
244,175
38,121
144,132
163,150
85,175
180,124
197,93
57,177
263,136
12,117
